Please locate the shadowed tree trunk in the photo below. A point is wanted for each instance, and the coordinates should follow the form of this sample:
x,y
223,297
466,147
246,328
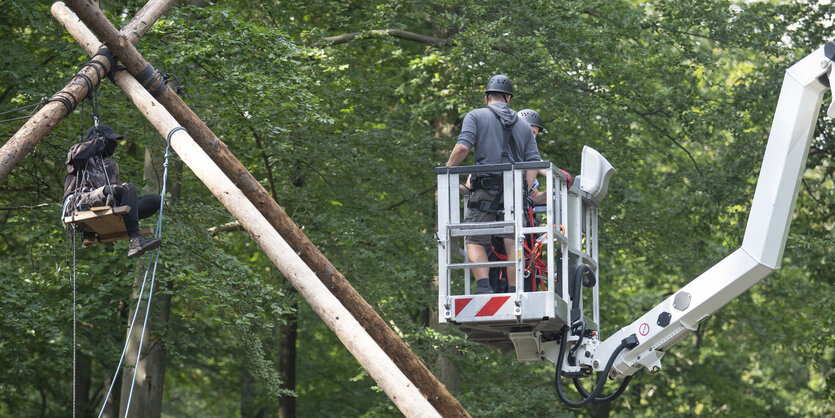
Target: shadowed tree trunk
x,y
447,367
288,331
146,400
111,410
83,368
600,409
287,363
248,398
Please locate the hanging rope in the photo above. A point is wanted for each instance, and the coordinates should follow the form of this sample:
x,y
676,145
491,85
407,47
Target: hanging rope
x,y
158,234
93,98
130,330
94,102
148,268
36,105
73,326
180,89
43,100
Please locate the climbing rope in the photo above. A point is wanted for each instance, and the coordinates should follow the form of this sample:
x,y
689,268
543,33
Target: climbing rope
x,y
158,234
23,107
37,105
94,102
155,258
93,98
74,321
130,331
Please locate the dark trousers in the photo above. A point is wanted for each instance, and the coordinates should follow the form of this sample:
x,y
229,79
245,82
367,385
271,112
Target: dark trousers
x,y
141,207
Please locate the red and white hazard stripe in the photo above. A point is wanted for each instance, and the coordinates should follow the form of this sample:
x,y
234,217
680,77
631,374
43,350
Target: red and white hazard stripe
x,y
482,307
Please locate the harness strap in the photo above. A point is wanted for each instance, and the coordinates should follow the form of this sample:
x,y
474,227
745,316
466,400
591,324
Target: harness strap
x,y
492,182
510,152
487,205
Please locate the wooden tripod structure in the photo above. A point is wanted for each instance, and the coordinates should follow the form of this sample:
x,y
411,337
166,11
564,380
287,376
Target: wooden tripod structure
x,y
401,374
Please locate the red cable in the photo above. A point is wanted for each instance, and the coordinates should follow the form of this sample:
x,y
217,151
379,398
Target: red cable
x,y
501,257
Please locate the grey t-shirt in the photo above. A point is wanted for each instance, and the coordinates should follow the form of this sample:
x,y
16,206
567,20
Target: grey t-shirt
x,y
482,131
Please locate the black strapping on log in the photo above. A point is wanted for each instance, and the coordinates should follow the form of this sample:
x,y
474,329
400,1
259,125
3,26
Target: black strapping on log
x,y
152,80
68,99
61,97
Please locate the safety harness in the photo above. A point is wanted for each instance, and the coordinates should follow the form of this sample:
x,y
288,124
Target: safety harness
x,y
493,182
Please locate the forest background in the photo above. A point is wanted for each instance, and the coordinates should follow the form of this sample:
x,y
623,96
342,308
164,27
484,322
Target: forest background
x,y
343,126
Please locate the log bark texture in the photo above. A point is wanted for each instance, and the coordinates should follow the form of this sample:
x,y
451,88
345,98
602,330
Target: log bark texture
x,y
395,348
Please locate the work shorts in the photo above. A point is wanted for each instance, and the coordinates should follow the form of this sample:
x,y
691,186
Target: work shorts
x,y
475,214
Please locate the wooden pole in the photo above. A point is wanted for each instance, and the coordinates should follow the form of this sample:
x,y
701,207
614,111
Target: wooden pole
x,y
31,133
405,359
381,368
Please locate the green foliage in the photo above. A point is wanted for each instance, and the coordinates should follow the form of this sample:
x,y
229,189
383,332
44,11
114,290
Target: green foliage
x,y
678,95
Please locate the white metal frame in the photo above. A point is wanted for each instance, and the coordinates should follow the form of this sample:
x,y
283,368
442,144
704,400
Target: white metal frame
x,y
765,235
519,320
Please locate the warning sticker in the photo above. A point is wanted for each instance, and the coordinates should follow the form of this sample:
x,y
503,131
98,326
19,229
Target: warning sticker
x,y
643,329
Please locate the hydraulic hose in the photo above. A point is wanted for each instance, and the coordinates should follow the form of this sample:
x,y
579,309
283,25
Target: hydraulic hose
x,y
577,281
608,398
628,342
572,353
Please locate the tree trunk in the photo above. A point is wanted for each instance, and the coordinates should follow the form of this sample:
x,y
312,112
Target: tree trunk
x,y
111,409
248,399
600,409
146,399
287,362
448,369
83,371
289,330
147,392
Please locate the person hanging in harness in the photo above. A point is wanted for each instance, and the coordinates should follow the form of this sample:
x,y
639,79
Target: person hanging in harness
x,y
93,180
498,136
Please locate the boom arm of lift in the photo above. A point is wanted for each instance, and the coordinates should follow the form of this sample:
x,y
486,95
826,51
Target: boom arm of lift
x,y
765,235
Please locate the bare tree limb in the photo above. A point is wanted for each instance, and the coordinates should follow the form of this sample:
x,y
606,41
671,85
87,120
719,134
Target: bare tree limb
x,y
664,133
397,33
390,207
227,227
38,206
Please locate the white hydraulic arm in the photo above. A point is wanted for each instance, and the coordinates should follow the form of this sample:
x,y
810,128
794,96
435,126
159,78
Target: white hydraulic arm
x,y
765,235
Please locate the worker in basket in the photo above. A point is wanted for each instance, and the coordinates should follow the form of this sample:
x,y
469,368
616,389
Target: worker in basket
x,y
535,267
498,135
93,180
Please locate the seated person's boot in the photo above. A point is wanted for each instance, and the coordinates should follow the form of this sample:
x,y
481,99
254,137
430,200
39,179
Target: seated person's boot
x,y
139,245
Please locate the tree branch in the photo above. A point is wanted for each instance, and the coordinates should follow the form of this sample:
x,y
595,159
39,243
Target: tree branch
x,y
397,33
390,207
663,132
38,206
227,227
812,195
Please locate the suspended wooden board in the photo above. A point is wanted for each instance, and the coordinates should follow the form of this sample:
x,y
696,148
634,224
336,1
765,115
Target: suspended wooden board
x,y
105,222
